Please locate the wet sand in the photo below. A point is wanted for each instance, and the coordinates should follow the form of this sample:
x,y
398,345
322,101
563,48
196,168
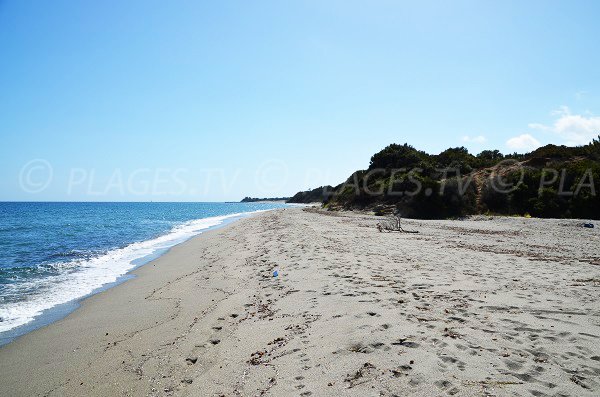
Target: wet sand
x,y
481,307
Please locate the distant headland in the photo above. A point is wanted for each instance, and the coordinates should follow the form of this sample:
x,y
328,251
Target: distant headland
x,y
256,199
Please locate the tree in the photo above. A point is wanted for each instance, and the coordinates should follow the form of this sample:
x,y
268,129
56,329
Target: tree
x,y
397,156
457,158
490,155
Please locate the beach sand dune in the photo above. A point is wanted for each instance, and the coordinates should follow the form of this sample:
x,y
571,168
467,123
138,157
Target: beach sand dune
x,y
480,307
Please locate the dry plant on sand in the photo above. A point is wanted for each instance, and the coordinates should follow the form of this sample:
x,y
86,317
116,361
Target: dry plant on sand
x,y
393,223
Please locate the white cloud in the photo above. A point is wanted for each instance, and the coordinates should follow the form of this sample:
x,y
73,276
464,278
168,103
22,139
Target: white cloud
x,y
575,129
474,139
524,141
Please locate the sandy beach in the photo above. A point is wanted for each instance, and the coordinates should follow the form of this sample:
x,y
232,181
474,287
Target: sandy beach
x,y
479,307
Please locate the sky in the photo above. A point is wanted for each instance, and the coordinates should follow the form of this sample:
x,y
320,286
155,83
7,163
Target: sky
x,y
214,101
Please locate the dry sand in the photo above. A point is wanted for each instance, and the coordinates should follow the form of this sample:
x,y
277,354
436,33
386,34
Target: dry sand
x,y
482,307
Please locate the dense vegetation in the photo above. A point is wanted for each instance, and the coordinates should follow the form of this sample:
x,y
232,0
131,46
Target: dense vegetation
x,y
552,181
318,195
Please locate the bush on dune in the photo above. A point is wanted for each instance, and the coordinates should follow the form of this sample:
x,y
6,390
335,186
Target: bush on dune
x,y
552,181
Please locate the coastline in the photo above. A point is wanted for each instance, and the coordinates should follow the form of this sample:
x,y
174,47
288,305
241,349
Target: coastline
x,y
462,308
57,312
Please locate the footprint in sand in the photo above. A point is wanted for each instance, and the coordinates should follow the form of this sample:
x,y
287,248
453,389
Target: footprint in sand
x,y
360,348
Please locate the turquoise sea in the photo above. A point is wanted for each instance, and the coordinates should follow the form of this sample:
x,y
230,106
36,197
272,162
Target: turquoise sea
x,y
54,254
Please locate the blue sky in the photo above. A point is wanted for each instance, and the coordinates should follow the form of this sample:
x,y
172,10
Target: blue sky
x,y
154,100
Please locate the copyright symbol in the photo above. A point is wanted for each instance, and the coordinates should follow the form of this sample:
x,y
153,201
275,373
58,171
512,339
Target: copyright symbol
x,y
35,176
510,166
271,175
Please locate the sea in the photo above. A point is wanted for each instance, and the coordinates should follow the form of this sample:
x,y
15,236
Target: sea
x,y
54,254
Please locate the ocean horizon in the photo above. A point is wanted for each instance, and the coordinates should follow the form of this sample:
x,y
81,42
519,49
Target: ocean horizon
x,y
53,254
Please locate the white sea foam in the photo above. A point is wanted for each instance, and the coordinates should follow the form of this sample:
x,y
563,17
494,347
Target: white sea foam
x,y
77,279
